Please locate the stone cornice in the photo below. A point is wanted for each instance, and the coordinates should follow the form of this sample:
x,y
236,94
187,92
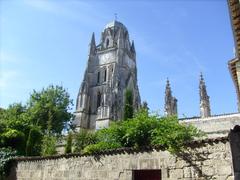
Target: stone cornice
x,y
126,150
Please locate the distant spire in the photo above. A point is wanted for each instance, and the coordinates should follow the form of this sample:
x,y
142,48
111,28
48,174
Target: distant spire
x,y
92,45
133,47
170,101
204,99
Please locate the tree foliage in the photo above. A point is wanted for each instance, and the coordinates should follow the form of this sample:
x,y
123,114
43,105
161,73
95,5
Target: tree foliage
x,y
83,139
145,130
128,106
6,156
50,108
22,127
33,146
14,127
68,147
49,145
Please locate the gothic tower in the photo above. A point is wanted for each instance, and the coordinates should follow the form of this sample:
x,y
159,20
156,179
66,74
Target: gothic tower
x,y
111,69
170,101
204,99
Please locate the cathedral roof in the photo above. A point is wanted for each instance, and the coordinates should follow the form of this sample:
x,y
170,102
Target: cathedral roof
x,y
115,24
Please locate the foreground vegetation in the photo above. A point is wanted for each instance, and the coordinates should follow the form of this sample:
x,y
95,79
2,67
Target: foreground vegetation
x,y
142,130
33,128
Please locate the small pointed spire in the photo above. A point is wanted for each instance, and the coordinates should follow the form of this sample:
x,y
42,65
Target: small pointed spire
x,y
92,44
170,101
133,47
204,98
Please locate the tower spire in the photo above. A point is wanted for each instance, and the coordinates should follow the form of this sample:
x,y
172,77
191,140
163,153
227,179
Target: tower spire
x,y
204,99
133,47
92,45
170,101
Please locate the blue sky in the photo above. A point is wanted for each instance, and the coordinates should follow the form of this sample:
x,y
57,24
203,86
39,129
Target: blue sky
x,y
46,42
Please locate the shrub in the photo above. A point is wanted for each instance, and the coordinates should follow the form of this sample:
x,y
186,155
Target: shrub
x,y
6,157
145,130
68,147
33,146
83,139
48,145
172,135
101,146
14,139
128,106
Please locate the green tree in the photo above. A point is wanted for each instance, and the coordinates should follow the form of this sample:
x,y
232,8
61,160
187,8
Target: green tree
x,y
68,147
33,146
6,157
83,139
145,130
50,107
128,106
14,127
48,145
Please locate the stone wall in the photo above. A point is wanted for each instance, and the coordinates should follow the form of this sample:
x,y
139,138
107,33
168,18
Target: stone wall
x,y
214,126
209,159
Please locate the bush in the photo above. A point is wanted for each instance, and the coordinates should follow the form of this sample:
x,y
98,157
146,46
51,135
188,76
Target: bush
x,y
68,147
6,157
145,130
83,139
14,139
172,135
101,146
128,106
33,146
48,145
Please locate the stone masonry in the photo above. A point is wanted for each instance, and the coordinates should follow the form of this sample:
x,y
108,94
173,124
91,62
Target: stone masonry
x,y
210,159
111,70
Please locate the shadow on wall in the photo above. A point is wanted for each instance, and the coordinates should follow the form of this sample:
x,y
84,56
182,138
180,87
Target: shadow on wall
x,y
194,159
234,138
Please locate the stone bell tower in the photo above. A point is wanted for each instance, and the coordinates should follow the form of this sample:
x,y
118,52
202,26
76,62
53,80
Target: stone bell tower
x,y
111,69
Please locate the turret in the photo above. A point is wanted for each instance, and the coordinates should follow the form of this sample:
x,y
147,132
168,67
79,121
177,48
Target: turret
x,y
204,99
92,46
170,101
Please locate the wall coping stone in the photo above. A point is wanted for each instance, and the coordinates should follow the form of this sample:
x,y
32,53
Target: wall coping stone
x,y
210,117
128,150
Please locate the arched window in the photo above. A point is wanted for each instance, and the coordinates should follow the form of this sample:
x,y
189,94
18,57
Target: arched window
x,y
107,43
105,75
98,77
99,98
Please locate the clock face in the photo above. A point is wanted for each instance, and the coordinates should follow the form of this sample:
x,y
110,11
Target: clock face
x,y
106,58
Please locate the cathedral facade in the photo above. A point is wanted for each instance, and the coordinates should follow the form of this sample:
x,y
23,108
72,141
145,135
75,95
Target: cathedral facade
x,y
111,70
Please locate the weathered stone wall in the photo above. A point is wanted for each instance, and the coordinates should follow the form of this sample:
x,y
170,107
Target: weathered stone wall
x,y
214,126
209,160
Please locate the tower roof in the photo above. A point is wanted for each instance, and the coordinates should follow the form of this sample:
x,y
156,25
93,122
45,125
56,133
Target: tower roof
x,y
115,24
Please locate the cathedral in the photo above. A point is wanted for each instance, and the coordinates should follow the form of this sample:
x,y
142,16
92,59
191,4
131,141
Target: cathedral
x,y
111,70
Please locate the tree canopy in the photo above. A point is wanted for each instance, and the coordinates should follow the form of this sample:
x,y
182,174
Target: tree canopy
x,y
23,127
144,130
128,106
49,108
